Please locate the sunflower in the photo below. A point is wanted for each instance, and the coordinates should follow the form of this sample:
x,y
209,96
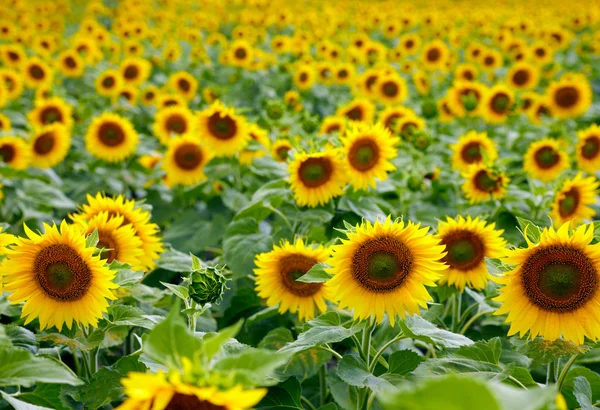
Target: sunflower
x,y
541,53
109,83
304,77
129,93
468,242
280,150
150,95
497,104
333,124
422,82
407,126
445,113
164,100
344,73
135,70
384,268
173,121
138,218
240,53
50,145
276,273
484,183
435,55
222,130
260,137
316,178
569,97
14,152
111,137
464,97
49,111
156,392
553,290
391,115
368,150
183,83
5,124
13,82
539,110
491,60
471,148
570,202
523,76
36,72
410,43
466,72
358,109
391,89
71,64
588,149
185,160
58,277
13,55
545,159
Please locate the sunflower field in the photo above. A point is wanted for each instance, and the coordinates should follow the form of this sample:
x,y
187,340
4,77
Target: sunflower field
x,y
299,205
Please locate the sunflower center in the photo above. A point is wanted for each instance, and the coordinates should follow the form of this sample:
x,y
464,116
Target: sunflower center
x,y
471,152
36,72
61,273
51,115
70,62
303,77
390,89
486,182
569,203
13,56
188,156
433,55
315,172
240,53
44,143
521,77
184,85
468,75
111,134
566,97
109,247
546,157
176,124
7,153
591,147
108,82
223,128
355,114
540,52
409,44
559,278
131,72
390,121
181,401
291,267
364,154
500,103
283,153
465,250
382,264
489,61
332,128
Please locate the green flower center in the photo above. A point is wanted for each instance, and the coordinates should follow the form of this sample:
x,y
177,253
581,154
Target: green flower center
x,y
382,265
546,157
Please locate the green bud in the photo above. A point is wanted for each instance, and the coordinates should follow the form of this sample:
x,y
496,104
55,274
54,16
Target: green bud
x,y
309,125
275,110
470,101
430,109
422,141
414,183
208,285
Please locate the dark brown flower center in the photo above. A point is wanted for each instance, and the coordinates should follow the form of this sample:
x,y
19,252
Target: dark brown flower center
x,y
188,156
540,52
487,182
184,85
303,77
314,172
546,157
291,267
364,154
566,97
433,55
591,147
283,153
37,72
51,115
61,273
500,103
465,250
108,82
471,152
131,72
111,134
181,401
222,127
70,62
240,53
108,245
332,128
370,81
44,143
382,264
390,88
390,121
7,153
176,124
489,61
559,278
521,77
568,205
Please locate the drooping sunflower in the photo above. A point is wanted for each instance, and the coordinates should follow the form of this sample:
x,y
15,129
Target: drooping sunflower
x,y
36,72
498,103
553,290
276,273
14,152
316,178
572,200
111,137
49,111
50,145
383,268
71,64
545,159
280,149
484,183
359,109
183,83
58,278
135,70
333,124
137,217
471,148
569,97
185,160
523,76
468,242
391,89
368,150
588,149
173,121
157,392
109,83
223,131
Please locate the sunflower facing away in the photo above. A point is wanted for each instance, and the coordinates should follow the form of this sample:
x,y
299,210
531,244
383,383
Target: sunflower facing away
x,y
553,290
545,159
484,183
588,149
316,178
470,149
157,392
138,218
50,145
58,278
572,200
14,152
468,242
111,137
185,160
222,130
368,150
276,275
384,268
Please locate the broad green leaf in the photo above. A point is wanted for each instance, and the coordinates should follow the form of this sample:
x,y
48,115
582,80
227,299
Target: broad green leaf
x,y
483,351
583,393
212,342
568,387
180,291
92,239
125,277
345,396
264,314
21,337
239,250
18,367
512,398
124,315
316,274
544,351
251,367
529,229
285,396
45,395
174,261
353,370
403,362
329,406
418,328
21,405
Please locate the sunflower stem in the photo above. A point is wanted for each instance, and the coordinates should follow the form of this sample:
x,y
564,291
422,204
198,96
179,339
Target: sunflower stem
x,y
366,340
307,402
565,370
323,384
94,361
471,321
370,400
551,372
382,350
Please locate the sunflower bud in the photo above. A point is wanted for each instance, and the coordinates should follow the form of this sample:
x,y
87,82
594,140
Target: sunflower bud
x,y
430,109
208,285
274,110
414,183
470,101
309,125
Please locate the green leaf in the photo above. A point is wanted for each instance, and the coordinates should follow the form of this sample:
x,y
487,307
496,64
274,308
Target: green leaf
x,y
261,315
196,263
251,367
45,395
568,387
329,406
353,370
316,274
123,315
20,405
19,367
92,239
364,206
125,277
239,250
483,351
212,342
174,261
180,291
544,351
345,396
418,328
285,396
46,195
583,393
529,229
21,337
403,362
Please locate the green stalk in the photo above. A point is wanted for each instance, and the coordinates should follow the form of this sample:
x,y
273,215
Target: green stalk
x,y
323,384
565,370
382,350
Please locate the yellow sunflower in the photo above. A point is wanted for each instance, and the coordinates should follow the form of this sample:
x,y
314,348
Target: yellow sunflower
x,y
13,55
71,64
523,76
280,150
498,103
156,392
570,202
13,82
183,83
173,121
588,149
316,178
553,290
484,183
545,159
434,55
408,125
109,83
468,242
304,77
185,160
358,110
223,131
36,72
390,116
5,124
333,124
368,150
259,136
14,152
50,145
111,137
470,149
570,97
391,89
49,111
58,277
135,70
422,82
276,273
384,268
138,218
466,72
464,98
